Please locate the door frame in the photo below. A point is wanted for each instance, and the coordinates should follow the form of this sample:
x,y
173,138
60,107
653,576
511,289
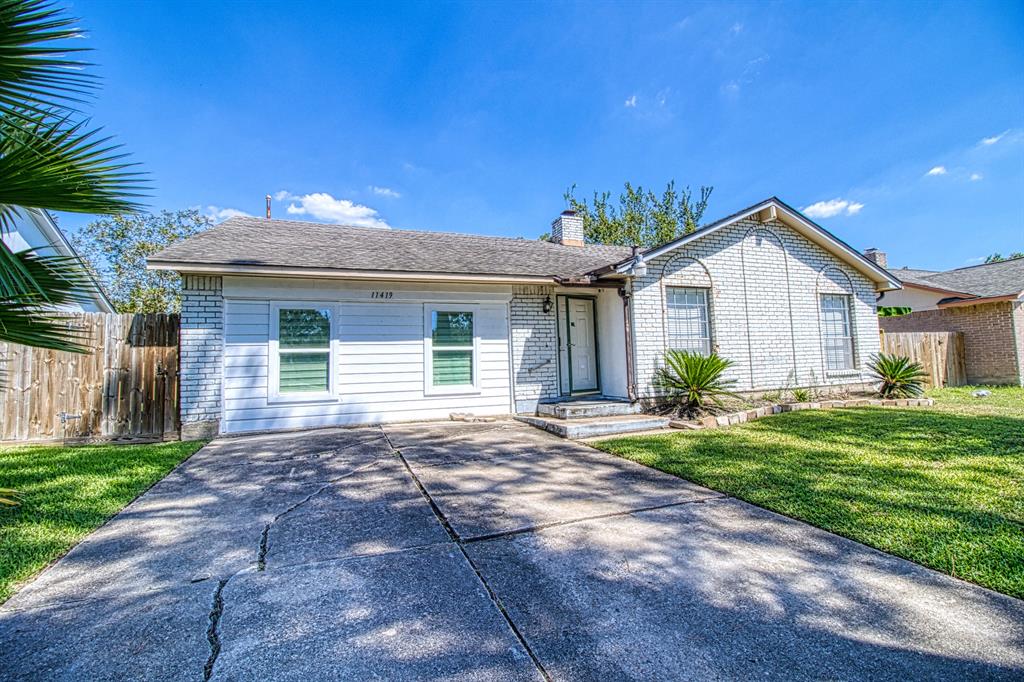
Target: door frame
x,y
568,346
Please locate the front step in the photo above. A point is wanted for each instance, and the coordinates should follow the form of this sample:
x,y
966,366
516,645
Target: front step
x,y
587,409
577,429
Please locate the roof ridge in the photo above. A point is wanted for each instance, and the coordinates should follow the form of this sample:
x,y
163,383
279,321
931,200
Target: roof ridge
x,y
258,220
980,265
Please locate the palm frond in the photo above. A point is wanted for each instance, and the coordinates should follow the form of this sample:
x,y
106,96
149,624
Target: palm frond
x,y
58,164
31,317
36,71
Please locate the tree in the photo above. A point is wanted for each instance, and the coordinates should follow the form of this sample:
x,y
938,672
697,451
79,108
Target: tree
x,y
49,159
641,217
998,257
116,248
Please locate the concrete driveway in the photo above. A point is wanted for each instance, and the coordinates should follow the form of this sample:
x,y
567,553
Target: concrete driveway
x,y
481,552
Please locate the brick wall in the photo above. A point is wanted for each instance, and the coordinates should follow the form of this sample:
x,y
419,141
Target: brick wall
x,y
765,280
534,347
993,337
202,308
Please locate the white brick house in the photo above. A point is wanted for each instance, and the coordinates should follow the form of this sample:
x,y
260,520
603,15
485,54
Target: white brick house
x,y
342,326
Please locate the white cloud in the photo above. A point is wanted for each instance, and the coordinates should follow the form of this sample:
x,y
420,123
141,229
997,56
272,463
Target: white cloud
x,y
976,176
731,88
937,170
831,208
631,102
323,206
218,214
975,261
989,141
385,192
736,28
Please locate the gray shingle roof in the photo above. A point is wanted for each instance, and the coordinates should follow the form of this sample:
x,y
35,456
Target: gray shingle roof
x,y
991,279
294,244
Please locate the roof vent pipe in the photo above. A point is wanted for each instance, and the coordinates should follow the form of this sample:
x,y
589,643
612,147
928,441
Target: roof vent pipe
x,y
268,207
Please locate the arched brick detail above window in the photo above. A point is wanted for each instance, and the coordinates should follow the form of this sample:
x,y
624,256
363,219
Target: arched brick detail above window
x,y
686,271
833,280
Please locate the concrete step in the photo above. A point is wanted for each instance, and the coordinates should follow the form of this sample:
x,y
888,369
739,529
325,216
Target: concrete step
x,y
587,409
596,426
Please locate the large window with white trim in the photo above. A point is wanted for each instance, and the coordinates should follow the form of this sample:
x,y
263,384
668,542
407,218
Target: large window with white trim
x,y
451,349
301,345
688,326
837,334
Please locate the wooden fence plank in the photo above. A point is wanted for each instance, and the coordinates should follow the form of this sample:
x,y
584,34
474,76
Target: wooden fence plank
x,y
941,354
127,387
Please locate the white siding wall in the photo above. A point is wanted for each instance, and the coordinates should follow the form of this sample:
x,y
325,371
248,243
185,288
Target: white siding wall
x,y
379,346
765,281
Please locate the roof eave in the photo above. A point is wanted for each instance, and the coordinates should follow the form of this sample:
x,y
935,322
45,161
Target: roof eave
x,y
980,300
333,273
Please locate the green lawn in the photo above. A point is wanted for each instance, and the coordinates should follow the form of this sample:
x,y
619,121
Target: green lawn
x,y
66,492
942,486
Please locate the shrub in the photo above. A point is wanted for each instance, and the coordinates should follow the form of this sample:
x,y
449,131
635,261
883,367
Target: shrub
x,y
772,396
802,395
692,379
899,376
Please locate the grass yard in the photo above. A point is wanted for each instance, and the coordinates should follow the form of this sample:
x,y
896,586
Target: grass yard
x,y
942,486
67,492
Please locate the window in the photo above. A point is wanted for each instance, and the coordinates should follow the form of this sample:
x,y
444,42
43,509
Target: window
x,y
836,335
451,341
687,318
303,352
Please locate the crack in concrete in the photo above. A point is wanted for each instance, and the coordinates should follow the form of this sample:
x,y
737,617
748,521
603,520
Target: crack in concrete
x,y
213,632
492,595
261,556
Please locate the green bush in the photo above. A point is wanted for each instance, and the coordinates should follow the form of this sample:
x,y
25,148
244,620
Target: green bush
x,y
802,395
899,377
691,379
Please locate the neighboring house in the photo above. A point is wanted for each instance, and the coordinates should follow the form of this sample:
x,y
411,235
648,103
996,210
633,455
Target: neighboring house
x,y
34,229
985,302
288,324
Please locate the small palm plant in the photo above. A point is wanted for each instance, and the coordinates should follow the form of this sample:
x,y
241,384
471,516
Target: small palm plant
x,y
899,376
692,379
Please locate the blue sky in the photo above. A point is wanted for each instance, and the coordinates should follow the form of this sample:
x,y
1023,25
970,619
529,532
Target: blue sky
x,y
900,125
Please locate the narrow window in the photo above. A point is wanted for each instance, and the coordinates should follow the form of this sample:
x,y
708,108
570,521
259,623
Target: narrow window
x,y
836,335
452,348
688,328
304,350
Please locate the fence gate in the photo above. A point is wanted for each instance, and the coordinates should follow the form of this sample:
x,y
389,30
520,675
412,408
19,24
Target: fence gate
x,y
941,354
127,387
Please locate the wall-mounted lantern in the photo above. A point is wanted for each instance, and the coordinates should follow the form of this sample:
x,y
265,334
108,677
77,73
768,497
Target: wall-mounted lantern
x,y
547,305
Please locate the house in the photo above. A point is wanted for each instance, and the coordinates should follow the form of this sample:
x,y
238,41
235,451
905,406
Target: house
x,y
985,302
288,324
34,228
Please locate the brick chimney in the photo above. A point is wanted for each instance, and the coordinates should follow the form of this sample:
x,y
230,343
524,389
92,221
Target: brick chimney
x,y
567,229
877,257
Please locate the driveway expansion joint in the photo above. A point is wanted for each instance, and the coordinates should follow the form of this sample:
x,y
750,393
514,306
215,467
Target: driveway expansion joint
x,y
492,595
583,519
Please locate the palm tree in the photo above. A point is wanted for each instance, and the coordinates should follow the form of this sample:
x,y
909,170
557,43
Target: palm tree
x,y
50,158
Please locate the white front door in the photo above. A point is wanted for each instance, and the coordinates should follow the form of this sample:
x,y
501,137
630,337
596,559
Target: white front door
x,y
582,345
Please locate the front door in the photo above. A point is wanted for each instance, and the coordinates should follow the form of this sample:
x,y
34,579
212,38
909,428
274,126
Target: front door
x,y
582,346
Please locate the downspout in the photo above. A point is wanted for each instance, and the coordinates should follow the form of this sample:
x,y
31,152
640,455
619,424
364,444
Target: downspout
x,y
627,317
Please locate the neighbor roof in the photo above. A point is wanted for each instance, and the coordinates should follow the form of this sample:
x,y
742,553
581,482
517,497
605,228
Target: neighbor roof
x,y
257,243
1003,278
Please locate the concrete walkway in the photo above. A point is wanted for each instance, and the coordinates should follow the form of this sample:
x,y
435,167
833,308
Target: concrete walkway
x,y
481,552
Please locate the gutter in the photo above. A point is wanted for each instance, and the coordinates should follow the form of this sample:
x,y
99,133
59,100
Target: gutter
x,y
979,300
333,273
627,320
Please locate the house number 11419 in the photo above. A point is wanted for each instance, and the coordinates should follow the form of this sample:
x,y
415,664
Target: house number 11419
x,y
381,294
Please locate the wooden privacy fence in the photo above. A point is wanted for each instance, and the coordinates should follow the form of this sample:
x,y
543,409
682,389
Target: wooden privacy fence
x,y
941,353
127,387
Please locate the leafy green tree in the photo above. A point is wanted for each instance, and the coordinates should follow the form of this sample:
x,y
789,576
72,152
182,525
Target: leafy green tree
x,y
116,248
50,158
998,257
640,217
